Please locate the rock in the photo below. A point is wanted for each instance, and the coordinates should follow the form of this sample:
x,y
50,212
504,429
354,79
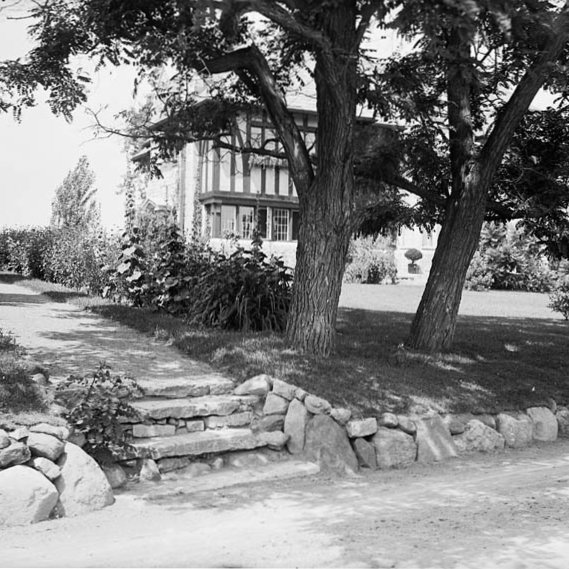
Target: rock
x,y
19,434
551,405
195,426
48,468
236,420
479,437
393,448
434,441
388,420
488,420
26,496
258,385
4,439
562,416
217,463
149,470
300,394
82,486
16,453
365,452
275,405
295,426
140,431
327,443
455,424
317,405
284,389
196,469
406,425
115,475
275,440
39,379
44,445
361,427
246,460
77,438
340,415
62,433
172,463
271,423
545,426
517,431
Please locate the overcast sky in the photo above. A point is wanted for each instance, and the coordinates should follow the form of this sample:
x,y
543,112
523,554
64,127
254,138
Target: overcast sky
x,y
36,154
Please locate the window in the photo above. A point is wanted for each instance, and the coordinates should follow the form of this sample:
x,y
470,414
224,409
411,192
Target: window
x,y
246,220
262,222
228,217
280,224
295,225
214,212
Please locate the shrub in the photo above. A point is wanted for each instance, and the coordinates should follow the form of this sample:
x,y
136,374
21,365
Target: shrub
x,y
25,251
242,291
370,261
95,406
479,276
559,297
413,255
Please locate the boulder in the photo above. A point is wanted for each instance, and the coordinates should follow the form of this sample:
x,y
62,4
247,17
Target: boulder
x,y
434,441
141,431
115,475
149,470
271,423
26,496
169,464
327,443
20,434
275,440
258,385
456,424
300,393
388,420
48,468
284,389
44,445
393,448
479,437
517,431
486,419
295,426
562,416
196,469
82,486
340,415
4,439
406,425
62,433
317,405
545,426
246,459
361,427
16,453
365,453
275,405
77,438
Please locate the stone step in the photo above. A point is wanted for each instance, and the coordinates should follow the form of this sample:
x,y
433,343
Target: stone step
x,y
195,444
220,405
195,386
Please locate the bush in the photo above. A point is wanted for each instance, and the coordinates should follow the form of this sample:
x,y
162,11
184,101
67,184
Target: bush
x,y
479,276
559,297
413,255
25,251
95,405
370,261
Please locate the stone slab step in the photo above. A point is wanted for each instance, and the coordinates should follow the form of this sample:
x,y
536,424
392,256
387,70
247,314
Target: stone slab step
x,y
173,485
195,444
195,386
220,405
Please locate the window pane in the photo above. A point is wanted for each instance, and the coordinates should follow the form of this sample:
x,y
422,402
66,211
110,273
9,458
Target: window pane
x,y
215,220
246,218
262,222
280,224
228,214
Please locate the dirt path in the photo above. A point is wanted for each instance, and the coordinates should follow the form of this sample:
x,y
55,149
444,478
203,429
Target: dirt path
x,y
71,340
509,510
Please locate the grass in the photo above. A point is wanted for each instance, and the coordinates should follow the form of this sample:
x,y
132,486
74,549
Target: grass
x,y
510,352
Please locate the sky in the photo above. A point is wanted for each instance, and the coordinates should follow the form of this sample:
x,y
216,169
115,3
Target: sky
x,y
37,153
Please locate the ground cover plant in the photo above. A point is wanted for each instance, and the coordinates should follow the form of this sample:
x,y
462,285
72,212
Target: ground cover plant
x,y
511,351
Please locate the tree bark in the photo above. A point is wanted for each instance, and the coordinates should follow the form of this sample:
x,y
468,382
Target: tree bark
x,y
326,209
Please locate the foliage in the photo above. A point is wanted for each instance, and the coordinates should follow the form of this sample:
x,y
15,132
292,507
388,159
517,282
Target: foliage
x,y
413,255
508,259
95,406
24,251
559,297
371,261
74,205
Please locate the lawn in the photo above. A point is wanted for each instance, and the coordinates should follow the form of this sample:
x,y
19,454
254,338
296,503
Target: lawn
x,y
511,351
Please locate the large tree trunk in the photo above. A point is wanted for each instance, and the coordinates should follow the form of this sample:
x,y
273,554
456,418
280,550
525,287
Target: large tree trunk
x,y
326,209
434,324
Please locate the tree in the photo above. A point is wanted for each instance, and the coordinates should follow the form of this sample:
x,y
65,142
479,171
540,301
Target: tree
x,y
74,204
465,89
256,48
